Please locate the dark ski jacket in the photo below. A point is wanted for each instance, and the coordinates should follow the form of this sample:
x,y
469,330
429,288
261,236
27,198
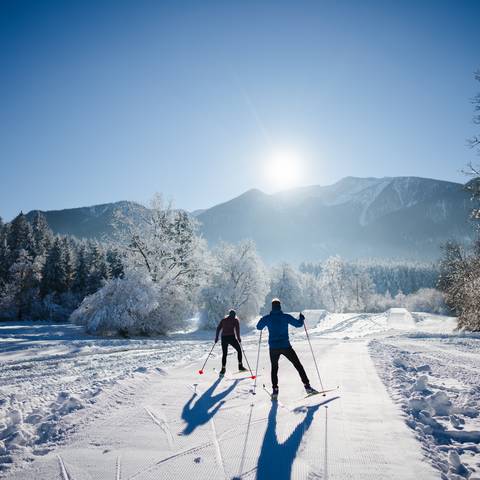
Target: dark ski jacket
x,y
277,323
228,326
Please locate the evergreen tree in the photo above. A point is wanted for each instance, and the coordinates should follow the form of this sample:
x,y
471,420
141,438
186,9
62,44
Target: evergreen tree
x,y
20,237
4,253
54,277
99,271
42,235
115,264
68,263
82,272
24,280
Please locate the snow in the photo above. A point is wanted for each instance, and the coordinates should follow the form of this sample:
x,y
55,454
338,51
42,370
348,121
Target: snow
x,y
400,318
434,379
77,407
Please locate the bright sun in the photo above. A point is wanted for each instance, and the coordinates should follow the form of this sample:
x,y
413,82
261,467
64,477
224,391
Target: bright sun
x,y
283,169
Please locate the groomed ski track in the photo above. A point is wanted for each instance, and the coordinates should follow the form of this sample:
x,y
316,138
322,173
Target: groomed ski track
x,y
171,429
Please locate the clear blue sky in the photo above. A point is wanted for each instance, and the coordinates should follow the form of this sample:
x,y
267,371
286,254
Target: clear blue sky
x,y
109,100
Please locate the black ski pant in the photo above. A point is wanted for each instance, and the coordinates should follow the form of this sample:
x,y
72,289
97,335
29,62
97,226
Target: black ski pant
x,y
290,354
230,340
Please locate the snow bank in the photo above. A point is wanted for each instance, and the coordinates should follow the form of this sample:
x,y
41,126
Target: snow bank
x,y
435,381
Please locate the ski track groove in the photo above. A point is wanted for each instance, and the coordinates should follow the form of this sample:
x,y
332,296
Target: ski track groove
x,y
162,423
118,475
195,449
218,451
63,469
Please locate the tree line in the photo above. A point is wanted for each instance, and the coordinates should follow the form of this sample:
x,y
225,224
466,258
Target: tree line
x,y
43,275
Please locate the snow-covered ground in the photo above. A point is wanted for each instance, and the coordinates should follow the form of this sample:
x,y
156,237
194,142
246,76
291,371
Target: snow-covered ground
x,y
74,407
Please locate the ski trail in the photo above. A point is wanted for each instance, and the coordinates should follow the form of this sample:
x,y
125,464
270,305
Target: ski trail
x,y
63,469
242,462
218,452
118,471
162,424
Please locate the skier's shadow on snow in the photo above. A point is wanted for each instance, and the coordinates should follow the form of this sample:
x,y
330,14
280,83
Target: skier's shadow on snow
x,y
276,459
206,406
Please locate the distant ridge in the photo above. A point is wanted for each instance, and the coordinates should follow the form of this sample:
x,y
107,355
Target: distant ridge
x,y
390,217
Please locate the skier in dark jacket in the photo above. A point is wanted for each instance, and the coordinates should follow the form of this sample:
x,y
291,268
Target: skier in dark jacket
x,y
277,323
230,328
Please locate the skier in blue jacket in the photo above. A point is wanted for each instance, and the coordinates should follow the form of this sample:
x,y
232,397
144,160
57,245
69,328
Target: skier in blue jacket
x,y
277,323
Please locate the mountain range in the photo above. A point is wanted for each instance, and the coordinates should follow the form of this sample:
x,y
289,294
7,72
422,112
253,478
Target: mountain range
x,y
390,217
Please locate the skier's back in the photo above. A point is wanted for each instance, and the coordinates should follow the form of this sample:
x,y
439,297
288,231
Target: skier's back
x,y
230,328
277,323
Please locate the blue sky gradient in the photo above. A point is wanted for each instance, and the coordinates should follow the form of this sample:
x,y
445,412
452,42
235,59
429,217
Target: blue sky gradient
x,y
108,100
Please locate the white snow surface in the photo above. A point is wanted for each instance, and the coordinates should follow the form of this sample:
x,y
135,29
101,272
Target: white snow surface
x,y
76,407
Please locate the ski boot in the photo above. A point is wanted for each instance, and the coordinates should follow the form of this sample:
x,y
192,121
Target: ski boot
x,y
241,368
274,393
222,372
309,390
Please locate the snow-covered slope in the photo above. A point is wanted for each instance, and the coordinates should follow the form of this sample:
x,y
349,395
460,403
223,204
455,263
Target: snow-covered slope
x,y
74,407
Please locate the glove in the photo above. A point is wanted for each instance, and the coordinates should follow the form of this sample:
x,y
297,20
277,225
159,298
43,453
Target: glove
x,y
240,340
216,340
301,316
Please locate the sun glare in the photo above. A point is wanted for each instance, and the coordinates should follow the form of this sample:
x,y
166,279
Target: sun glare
x,y
283,169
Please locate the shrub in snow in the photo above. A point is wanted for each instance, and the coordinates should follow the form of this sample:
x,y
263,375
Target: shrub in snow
x,y
237,280
165,264
133,305
427,300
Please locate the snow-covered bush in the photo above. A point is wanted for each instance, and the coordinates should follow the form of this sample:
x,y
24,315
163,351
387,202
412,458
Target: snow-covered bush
x,y
427,300
133,305
238,280
165,264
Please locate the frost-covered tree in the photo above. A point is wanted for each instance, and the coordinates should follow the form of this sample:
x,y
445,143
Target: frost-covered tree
x,y
460,282
128,306
345,287
334,284
115,264
20,237
24,276
82,272
311,291
238,280
68,262
42,235
98,267
361,288
4,253
285,284
164,255
54,277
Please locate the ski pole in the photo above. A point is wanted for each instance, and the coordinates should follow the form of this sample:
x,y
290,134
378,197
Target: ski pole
x,y
248,364
256,368
208,356
313,355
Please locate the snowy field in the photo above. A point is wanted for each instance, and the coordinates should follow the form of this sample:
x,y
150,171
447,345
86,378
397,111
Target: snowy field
x,y
74,407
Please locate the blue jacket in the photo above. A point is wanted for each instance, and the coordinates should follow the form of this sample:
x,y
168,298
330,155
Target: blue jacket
x,y
277,323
